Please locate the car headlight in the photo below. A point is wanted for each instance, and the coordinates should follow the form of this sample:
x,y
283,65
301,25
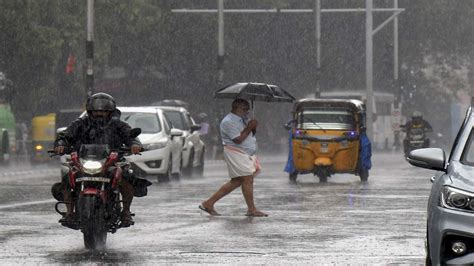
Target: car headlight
x,y
155,146
91,167
453,198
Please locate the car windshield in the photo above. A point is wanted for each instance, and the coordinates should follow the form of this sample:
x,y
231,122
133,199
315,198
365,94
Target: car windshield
x,y
469,150
148,122
176,119
326,119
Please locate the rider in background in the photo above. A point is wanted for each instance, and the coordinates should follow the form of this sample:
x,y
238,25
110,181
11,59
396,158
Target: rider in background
x,y
101,125
418,122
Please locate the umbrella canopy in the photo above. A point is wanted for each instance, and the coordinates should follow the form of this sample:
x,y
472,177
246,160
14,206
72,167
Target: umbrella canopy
x,y
255,92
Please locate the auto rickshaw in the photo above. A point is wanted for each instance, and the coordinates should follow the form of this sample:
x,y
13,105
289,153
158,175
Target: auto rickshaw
x,y
42,137
327,136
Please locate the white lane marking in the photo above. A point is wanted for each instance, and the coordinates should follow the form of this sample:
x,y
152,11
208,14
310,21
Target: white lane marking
x,y
8,206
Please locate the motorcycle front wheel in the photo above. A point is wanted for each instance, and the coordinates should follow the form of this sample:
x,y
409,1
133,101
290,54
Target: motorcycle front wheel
x,y
92,219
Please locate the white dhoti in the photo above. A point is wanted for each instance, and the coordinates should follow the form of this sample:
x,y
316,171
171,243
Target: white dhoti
x,y
240,163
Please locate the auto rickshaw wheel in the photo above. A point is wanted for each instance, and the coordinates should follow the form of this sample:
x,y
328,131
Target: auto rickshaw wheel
x,y
323,173
364,175
323,178
293,176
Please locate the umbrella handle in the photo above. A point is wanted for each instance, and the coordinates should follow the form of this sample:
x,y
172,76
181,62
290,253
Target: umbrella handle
x,y
253,109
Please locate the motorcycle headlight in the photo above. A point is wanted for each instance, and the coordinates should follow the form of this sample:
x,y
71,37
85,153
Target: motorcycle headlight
x,y
155,146
453,198
91,167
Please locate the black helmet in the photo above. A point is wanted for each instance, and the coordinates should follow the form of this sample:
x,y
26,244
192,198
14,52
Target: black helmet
x,y
100,102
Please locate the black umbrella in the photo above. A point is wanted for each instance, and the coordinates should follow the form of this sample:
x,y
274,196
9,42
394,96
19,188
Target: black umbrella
x,y
255,92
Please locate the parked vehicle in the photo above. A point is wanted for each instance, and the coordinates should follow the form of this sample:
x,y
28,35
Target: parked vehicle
x,y
94,174
43,134
8,133
7,121
193,147
449,232
163,147
328,137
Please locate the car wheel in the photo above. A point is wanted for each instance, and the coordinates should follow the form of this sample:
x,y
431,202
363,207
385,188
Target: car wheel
x,y
166,176
188,170
177,176
200,168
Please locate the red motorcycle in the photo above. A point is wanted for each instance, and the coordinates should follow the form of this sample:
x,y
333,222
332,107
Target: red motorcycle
x,y
94,175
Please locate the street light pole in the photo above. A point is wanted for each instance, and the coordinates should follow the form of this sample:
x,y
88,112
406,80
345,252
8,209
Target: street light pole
x,y
220,42
369,67
90,48
317,17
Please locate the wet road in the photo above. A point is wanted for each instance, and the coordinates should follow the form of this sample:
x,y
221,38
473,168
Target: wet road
x,y
343,221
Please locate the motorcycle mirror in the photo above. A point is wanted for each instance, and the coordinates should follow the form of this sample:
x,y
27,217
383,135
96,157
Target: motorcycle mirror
x,y
135,132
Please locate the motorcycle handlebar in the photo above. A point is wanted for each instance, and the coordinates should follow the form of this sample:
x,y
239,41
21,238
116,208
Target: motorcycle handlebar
x,y
124,151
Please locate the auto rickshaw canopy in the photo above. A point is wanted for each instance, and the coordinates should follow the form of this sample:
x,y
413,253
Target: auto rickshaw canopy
x,y
356,106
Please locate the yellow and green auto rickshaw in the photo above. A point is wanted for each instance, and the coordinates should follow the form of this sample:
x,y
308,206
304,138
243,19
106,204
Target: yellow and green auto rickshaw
x,y
327,136
42,136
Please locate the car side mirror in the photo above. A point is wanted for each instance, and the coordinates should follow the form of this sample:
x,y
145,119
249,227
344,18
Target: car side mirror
x,y
195,128
176,132
429,158
134,132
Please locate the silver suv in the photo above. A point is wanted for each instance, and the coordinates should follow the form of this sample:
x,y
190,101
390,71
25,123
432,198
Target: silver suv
x,y
193,147
449,233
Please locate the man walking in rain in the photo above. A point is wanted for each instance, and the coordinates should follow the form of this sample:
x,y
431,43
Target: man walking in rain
x,y
240,145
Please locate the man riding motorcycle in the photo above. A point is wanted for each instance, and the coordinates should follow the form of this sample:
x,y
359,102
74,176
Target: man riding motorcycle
x,y
101,125
415,124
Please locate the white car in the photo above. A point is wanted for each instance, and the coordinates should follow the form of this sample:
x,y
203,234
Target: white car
x,y
162,143
193,146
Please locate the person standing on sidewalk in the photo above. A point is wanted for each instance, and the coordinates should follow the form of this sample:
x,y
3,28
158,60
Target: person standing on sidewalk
x,y
240,146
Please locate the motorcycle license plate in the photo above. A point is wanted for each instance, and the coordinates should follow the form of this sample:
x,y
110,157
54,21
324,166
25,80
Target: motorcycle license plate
x,y
93,179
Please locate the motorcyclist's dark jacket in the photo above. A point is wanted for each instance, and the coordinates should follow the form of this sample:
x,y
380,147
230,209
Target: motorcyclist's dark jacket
x,y
418,124
87,130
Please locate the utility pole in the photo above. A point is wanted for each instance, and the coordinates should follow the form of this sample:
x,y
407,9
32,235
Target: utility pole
x,y
90,49
317,17
370,32
369,67
220,43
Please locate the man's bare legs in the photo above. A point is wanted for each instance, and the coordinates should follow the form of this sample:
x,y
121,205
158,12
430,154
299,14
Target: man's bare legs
x,y
219,194
247,190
